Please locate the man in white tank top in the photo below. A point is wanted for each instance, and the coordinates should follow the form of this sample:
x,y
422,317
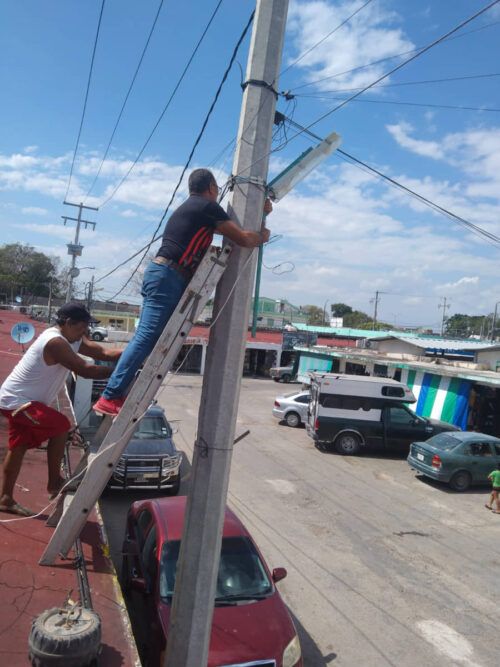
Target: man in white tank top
x,y
26,395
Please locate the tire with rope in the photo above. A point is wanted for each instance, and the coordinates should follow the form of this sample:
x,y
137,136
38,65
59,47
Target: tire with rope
x,y
67,636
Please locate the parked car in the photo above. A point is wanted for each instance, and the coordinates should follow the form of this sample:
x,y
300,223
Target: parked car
x,y
349,412
151,459
460,459
282,373
251,624
292,408
98,333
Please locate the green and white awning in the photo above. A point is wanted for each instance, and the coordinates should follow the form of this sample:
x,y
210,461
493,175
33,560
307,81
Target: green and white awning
x,y
313,362
438,396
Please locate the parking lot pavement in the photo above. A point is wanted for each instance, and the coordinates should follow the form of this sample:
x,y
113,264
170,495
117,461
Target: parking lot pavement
x,y
383,567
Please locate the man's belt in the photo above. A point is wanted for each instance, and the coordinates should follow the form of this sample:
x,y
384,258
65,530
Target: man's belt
x,y
170,262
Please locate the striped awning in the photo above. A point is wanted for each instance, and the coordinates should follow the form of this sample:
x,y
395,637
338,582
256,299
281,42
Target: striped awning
x,y
439,397
312,362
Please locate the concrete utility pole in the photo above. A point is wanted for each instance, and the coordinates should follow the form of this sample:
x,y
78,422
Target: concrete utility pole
x,y
75,249
445,306
375,309
192,611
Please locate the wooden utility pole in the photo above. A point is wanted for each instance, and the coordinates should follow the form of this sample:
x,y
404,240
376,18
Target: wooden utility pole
x,y
191,621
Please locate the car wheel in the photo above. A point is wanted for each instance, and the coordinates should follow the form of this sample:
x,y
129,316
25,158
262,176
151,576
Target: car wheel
x,y
348,444
286,378
97,336
460,481
292,419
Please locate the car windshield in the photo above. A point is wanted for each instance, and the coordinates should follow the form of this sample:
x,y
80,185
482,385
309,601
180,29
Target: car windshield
x,y
444,441
241,571
152,427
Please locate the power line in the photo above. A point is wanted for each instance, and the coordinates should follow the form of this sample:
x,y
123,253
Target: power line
x,y
381,78
86,98
197,141
470,226
126,99
383,60
410,104
343,23
160,117
462,221
406,62
403,83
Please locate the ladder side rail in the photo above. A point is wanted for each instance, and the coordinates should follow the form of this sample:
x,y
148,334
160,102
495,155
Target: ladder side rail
x,y
138,400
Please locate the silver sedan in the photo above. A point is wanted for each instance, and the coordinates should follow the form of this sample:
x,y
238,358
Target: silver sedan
x,y
292,408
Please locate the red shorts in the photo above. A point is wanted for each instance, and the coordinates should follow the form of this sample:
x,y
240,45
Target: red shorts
x,y
34,424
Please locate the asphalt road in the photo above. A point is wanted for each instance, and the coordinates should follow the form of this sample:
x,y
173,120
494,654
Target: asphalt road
x,y
384,568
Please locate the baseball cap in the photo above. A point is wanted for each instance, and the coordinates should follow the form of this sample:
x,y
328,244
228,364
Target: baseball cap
x,y
75,312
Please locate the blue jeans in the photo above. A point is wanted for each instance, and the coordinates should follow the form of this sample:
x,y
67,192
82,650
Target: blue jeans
x,y
162,290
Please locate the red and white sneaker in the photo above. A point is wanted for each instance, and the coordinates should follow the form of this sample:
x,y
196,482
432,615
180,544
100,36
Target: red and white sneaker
x,y
108,406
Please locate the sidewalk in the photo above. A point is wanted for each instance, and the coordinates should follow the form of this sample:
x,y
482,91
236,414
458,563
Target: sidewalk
x,y
26,588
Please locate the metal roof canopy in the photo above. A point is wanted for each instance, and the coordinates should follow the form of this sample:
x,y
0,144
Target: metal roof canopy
x,y
488,378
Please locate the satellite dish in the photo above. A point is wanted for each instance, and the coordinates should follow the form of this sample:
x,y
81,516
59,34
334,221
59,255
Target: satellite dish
x,y
19,299
22,332
74,273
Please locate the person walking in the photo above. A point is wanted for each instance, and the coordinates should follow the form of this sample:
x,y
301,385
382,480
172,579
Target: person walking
x,y
187,236
494,476
28,392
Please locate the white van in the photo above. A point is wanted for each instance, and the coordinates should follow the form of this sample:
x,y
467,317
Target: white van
x,y
351,411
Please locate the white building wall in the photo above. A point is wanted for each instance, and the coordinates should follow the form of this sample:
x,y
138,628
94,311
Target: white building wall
x,y
396,346
491,358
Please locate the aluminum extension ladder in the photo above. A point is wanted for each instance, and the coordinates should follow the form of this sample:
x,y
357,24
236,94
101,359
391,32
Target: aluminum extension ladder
x,y
75,507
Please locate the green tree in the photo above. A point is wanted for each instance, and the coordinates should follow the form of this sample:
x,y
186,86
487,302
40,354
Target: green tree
x,y
24,269
356,319
340,309
463,326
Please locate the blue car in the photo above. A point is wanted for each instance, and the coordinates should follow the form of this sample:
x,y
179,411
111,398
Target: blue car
x,y
458,458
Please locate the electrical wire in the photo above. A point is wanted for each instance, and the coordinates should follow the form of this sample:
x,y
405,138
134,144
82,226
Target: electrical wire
x,y
405,62
155,237
380,78
470,226
404,83
411,104
126,99
85,99
382,60
165,108
340,25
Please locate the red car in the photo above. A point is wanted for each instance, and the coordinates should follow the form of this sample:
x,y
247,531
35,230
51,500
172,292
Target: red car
x,y
251,623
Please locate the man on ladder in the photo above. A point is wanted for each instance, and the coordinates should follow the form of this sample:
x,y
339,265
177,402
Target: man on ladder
x,y
187,237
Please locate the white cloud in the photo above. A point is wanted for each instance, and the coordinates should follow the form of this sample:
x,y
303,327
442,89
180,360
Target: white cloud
x,y
466,281
371,35
34,210
401,133
128,213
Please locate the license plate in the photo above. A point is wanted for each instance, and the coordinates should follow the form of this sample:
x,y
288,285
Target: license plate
x,y
420,457
146,476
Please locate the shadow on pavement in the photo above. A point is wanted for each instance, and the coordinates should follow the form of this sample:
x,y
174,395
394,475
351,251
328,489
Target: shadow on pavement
x,y
311,654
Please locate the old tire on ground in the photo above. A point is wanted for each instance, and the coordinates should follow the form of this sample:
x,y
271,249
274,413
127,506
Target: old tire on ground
x,y
97,336
460,481
348,444
65,638
286,377
292,419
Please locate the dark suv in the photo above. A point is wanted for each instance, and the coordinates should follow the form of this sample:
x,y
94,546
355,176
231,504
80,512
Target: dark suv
x,y
151,460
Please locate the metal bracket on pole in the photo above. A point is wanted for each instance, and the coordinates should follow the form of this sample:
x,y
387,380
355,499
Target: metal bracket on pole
x,y
116,435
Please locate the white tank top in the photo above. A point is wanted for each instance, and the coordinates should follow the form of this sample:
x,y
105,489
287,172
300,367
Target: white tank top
x,y
32,379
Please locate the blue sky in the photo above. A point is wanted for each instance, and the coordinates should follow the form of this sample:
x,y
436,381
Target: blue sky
x,y
345,233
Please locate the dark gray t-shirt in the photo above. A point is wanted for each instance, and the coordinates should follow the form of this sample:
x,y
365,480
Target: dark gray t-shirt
x,y
189,231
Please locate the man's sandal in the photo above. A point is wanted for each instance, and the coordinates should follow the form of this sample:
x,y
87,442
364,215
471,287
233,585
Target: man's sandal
x,y
17,509
488,507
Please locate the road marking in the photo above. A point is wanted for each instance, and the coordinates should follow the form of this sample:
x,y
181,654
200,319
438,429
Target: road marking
x,y
282,486
447,641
